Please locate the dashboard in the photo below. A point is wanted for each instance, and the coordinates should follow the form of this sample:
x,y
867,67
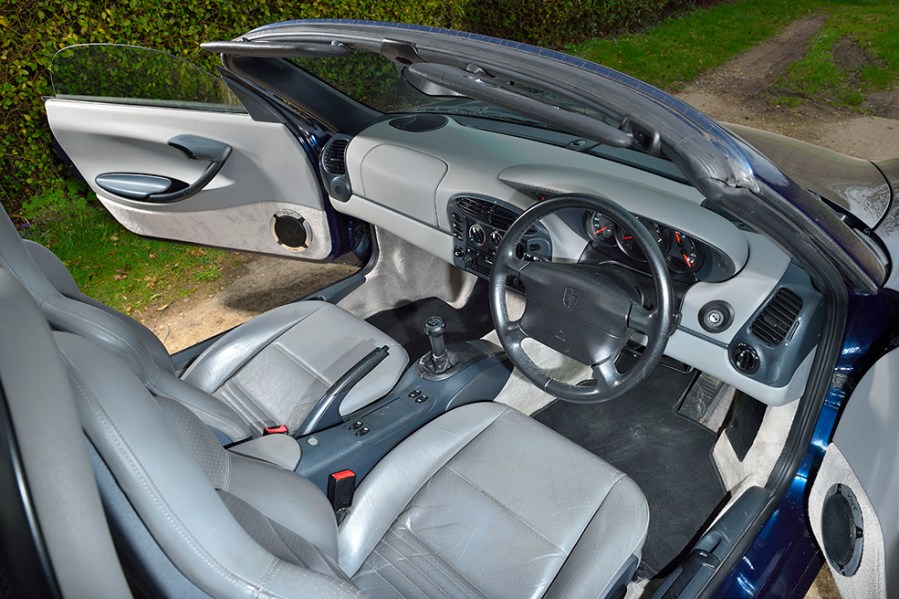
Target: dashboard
x,y
748,315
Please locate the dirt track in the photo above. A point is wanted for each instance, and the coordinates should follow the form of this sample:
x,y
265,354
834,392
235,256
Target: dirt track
x,y
742,91
739,92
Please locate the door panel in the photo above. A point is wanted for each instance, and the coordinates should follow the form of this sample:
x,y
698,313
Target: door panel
x,y
857,488
267,173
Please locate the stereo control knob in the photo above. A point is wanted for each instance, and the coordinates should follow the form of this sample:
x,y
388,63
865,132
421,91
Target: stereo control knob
x,y
468,260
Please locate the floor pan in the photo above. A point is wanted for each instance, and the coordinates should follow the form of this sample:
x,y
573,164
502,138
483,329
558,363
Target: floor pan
x,y
668,456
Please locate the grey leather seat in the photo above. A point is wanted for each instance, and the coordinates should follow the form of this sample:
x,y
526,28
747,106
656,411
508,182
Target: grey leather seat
x,y
271,370
481,502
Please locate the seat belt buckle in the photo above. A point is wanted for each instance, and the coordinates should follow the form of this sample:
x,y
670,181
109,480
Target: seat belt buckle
x,y
280,429
341,486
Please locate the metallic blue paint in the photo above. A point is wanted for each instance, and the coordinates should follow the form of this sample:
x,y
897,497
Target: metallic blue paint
x,y
784,557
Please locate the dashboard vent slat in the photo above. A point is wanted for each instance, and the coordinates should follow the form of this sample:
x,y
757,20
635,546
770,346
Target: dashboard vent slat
x,y
334,157
502,218
487,212
776,319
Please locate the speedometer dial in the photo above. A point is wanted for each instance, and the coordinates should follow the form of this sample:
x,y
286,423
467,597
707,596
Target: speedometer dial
x,y
628,245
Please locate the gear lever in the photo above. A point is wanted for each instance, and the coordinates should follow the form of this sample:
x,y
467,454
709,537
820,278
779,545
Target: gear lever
x,y
435,327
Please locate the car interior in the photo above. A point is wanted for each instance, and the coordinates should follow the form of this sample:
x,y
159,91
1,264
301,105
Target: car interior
x,y
558,369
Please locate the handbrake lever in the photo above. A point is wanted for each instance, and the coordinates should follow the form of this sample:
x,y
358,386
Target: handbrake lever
x,y
326,412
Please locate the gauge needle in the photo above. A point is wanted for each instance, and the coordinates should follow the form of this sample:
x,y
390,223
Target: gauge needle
x,y
677,237
598,231
687,260
627,237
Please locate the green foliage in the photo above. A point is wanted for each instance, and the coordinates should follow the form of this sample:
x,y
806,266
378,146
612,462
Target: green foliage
x,y
562,22
31,32
129,72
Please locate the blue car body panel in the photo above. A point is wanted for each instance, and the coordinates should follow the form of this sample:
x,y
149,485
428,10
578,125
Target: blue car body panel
x,y
784,557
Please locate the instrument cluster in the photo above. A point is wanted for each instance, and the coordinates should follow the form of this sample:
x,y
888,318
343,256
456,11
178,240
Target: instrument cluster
x,y
683,254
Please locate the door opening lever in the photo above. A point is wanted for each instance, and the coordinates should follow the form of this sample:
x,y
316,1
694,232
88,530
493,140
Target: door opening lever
x,y
159,189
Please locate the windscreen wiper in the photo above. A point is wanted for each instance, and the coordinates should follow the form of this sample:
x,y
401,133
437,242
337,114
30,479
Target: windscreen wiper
x,y
480,87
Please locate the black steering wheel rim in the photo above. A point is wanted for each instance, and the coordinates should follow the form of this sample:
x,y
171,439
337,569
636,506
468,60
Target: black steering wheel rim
x,y
656,323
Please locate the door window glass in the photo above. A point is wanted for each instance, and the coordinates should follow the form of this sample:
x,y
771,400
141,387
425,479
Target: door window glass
x,y
134,75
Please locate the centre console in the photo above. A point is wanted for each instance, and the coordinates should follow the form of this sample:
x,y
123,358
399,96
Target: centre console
x,y
478,371
479,224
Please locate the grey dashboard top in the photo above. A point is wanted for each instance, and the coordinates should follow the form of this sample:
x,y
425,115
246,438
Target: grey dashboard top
x,y
461,159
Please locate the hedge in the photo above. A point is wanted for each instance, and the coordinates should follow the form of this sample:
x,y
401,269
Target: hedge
x,y
32,31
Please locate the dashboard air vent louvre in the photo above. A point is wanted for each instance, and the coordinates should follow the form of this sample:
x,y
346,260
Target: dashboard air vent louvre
x,y
777,317
502,218
478,209
334,157
487,212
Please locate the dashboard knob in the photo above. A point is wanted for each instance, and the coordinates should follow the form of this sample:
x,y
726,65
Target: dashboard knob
x,y
745,358
477,235
468,259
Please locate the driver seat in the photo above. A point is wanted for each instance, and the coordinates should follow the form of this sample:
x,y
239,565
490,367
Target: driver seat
x,y
269,371
481,502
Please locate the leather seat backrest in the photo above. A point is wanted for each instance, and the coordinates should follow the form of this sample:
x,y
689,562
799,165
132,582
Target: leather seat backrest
x,y
220,518
67,309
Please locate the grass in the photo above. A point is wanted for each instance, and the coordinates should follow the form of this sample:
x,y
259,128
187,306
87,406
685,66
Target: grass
x,y
677,51
108,262
855,53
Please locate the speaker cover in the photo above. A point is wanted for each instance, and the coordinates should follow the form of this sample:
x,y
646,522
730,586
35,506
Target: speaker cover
x,y
843,530
291,231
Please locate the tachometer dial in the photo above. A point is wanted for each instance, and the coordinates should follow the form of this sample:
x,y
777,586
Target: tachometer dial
x,y
684,254
628,245
599,228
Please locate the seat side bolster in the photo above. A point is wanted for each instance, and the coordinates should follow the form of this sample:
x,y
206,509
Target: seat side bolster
x,y
286,498
235,348
169,490
55,272
72,314
207,408
618,528
392,484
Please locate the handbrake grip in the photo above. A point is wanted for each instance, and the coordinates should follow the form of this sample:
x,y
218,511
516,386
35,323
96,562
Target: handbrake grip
x,y
326,412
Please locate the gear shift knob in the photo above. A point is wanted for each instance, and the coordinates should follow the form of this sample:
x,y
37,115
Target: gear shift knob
x,y
435,327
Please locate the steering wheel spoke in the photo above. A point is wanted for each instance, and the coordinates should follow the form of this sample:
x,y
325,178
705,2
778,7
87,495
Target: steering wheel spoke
x,y
513,333
640,319
606,376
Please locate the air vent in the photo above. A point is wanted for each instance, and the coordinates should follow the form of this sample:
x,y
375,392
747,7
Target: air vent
x,y
502,218
487,212
777,318
334,157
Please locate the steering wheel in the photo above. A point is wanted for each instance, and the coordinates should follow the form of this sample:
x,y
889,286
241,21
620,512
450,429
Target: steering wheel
x,y
587,314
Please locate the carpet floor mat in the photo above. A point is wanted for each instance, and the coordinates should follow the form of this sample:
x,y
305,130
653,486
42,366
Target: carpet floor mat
x,y
667,455
406,324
